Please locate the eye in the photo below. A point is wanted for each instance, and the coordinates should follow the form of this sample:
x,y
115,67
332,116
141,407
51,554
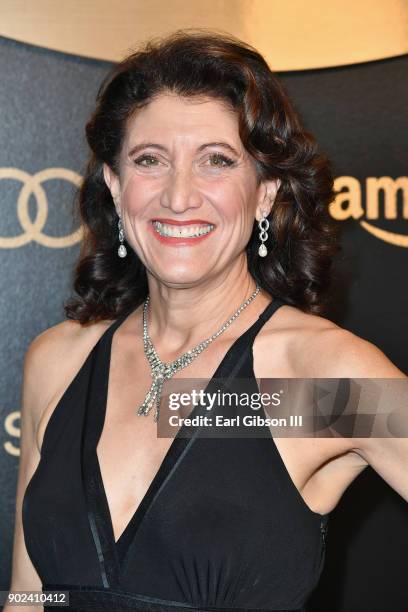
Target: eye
x,y
150,159
221,161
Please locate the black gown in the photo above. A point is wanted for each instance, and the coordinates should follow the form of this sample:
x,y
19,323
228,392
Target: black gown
x,y
222,525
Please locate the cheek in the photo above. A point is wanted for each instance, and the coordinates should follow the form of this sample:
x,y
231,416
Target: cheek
x,y
136,193
232,199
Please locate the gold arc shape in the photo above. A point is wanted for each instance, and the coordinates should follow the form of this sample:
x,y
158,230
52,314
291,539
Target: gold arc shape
x,y
390,237
294,35
32,184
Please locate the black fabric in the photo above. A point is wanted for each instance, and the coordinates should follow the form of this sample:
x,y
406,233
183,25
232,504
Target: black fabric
x,y
85,599
221,527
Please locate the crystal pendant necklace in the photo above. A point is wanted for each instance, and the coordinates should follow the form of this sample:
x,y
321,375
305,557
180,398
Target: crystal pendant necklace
x,y
161,371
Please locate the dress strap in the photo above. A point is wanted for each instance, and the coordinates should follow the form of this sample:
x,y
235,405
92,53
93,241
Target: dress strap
x,y
271,308
238,358
266,314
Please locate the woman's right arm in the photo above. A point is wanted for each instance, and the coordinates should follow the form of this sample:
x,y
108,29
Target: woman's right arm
x,y
24,576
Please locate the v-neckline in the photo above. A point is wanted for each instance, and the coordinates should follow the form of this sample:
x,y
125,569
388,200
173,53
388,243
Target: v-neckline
x,y
112,553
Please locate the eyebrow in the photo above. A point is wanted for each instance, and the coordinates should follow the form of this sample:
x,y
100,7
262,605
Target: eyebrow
x,y
145,145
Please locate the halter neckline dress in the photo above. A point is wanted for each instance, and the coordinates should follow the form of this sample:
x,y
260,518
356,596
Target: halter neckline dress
x,y
222,527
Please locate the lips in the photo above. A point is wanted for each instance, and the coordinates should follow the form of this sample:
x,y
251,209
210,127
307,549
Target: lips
x,y
176,222
181,232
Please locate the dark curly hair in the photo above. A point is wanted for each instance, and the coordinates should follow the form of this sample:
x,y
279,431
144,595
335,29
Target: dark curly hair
x,y
303,237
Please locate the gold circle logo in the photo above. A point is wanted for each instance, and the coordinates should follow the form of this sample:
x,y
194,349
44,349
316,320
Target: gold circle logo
x,y
33,230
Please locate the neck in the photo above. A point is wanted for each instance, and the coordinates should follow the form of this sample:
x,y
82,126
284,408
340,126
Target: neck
x,y
185,316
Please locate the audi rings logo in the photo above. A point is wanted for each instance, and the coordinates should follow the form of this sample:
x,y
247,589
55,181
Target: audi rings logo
x,y
33,230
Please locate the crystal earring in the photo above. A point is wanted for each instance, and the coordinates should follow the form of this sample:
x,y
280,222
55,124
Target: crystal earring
x,y
263,225
122,252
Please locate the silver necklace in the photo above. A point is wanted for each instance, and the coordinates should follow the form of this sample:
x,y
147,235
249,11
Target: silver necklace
x,y
161,371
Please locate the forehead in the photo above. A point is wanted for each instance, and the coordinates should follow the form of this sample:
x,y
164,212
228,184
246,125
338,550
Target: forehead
x,y
171,114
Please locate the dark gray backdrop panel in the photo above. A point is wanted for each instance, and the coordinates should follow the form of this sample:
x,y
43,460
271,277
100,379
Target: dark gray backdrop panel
x,y
357,114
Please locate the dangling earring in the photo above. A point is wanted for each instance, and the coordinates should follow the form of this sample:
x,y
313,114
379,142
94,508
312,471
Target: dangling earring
x,y
263,225
122,252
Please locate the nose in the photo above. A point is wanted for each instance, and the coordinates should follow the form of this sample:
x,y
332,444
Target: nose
x,y
181,192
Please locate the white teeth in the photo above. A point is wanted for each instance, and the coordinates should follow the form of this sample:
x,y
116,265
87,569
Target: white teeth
x,y
184,231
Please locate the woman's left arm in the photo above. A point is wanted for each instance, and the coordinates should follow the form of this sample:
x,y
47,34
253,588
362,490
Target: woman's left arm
x,y
358,358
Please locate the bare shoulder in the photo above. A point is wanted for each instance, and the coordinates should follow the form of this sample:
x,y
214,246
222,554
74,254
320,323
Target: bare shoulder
x,y
52,360
312,346
60,344
54,340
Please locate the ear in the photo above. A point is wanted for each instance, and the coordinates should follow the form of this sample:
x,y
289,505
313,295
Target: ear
x,y
113,184
268,192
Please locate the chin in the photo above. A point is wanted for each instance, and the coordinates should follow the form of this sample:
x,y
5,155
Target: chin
x,y
180,279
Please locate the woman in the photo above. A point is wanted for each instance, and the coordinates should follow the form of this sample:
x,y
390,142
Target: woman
x,y
205,216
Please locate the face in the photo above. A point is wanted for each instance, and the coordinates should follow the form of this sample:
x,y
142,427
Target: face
x,y
187,190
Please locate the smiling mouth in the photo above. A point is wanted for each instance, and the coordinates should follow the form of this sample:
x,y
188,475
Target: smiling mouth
x,y
169,230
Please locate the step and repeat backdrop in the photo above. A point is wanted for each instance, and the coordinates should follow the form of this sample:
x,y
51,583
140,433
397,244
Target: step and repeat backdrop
x,y
351,89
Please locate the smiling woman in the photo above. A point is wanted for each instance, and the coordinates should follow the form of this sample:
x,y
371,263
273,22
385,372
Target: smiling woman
x,y
191,120
184,175
207,248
